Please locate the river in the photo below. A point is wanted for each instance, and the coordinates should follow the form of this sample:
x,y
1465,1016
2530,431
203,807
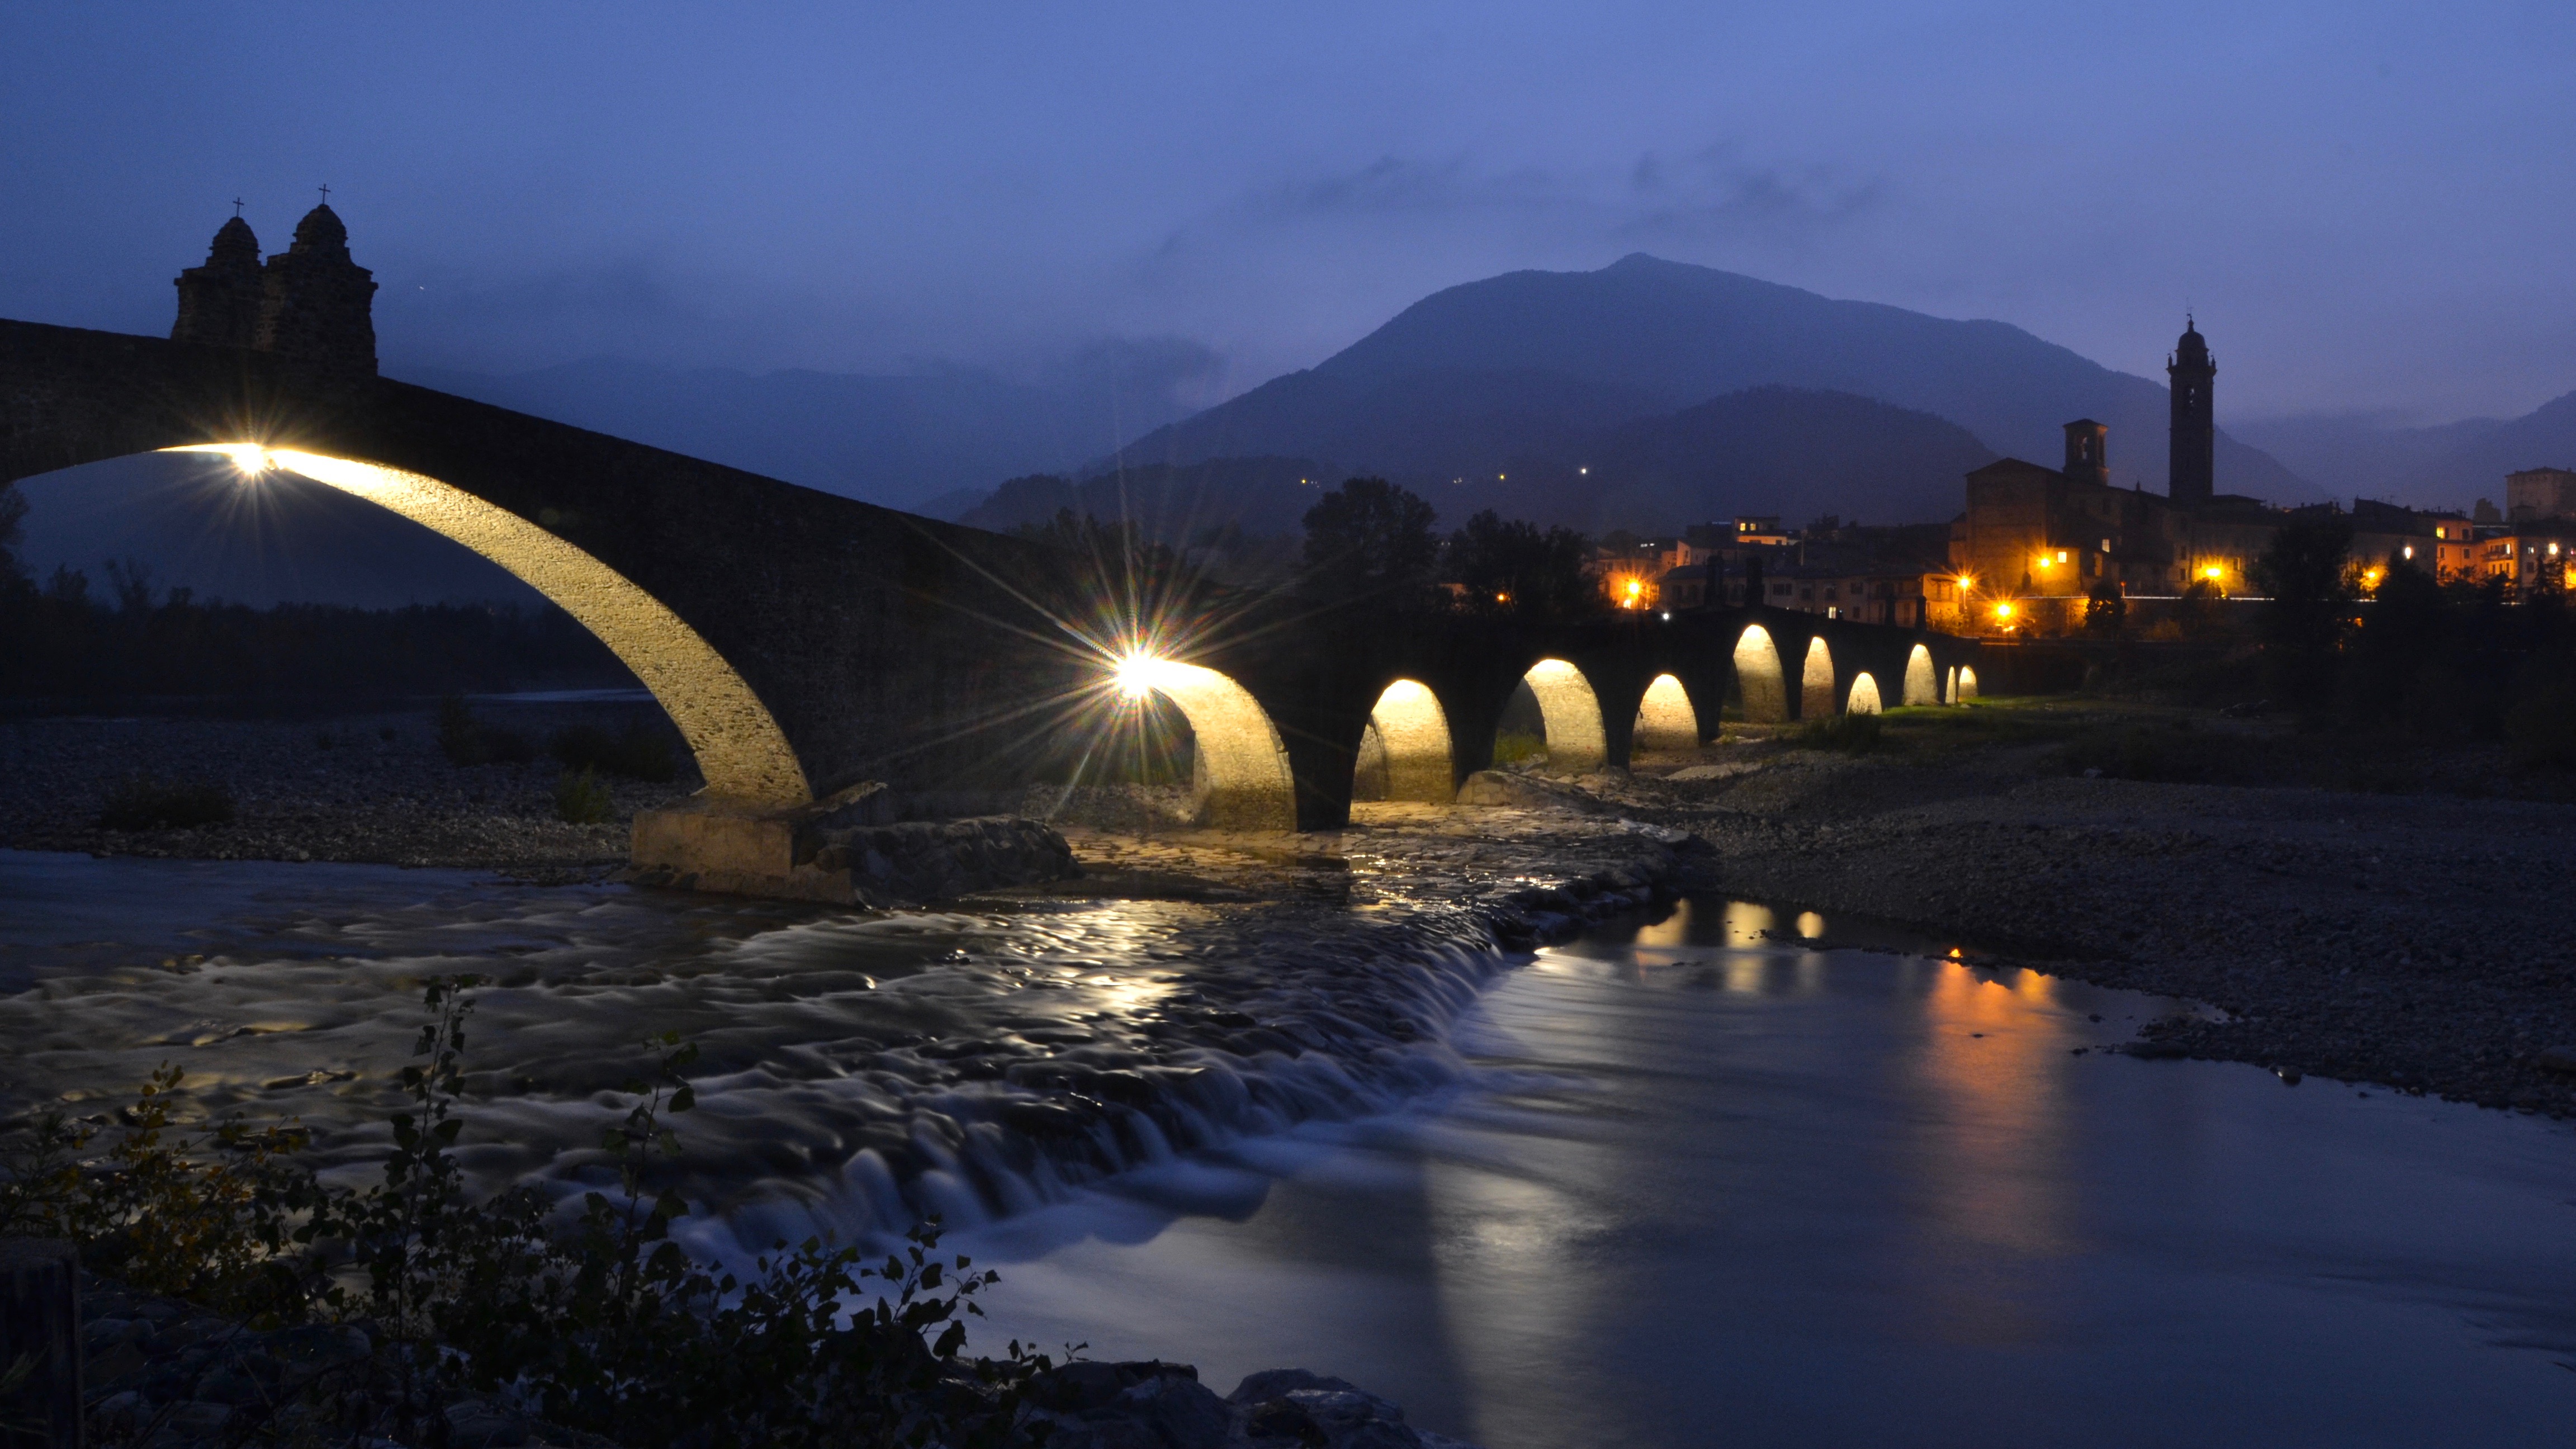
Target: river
x,y
1681,1182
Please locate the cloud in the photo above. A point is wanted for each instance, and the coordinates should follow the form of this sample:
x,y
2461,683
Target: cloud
x,y
1711,195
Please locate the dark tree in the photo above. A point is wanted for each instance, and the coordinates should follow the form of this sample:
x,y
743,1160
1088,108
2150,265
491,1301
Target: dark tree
x,y
13,515
2305,572
1508,566
2105,608
1369,539
2403,627
1752,580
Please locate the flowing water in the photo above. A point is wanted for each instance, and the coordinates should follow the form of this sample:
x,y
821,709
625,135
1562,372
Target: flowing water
x,y
1682,1183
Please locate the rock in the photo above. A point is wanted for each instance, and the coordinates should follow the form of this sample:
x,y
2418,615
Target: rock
x,y
478,1425
2557,1059
1725,770
1505,789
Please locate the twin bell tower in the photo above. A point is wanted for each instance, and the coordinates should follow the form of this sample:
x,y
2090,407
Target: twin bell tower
x,y
309,303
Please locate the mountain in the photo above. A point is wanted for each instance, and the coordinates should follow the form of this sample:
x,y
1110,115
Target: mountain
x,y
902,440
1764,450
2447,466
1769,450
1515,362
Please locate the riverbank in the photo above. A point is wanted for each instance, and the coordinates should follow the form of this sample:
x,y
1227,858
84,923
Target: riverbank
x,y
2415,940
371,788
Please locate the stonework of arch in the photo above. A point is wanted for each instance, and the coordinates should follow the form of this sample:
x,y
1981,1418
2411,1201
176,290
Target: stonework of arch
x,y
1967,687
1665,719
1572,712
1243,772
1950,686
1816,681
1757,677
740,750
1922,682
1413,732
1864,696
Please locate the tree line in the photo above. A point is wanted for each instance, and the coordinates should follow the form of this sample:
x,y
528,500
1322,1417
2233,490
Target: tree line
x,y
1369,541
2382,645
71,637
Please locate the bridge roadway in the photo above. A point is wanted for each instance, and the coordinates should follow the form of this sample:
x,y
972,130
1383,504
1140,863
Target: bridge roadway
x,y
805,643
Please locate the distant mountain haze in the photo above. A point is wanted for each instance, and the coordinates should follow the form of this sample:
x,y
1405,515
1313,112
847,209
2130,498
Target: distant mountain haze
x,y
903,440
2446,466
1654,336
1764,450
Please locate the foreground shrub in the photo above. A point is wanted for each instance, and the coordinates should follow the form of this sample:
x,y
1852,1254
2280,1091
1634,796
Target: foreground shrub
x,y
604,1325
144,803
582,799
1855,734
466,740
637,752
2540,729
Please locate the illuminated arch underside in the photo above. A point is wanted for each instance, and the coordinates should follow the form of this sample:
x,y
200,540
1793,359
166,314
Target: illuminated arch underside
x,y
739,747
1816,681
1864,697
1967,687
1244,765
1571,713
1665,719
1758,677
1922,683
1415,732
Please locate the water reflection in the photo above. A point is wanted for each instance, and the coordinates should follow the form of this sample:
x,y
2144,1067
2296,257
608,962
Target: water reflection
x,y
1711,1186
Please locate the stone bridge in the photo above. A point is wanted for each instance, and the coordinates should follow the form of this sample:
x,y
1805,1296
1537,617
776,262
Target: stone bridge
x,y
806,643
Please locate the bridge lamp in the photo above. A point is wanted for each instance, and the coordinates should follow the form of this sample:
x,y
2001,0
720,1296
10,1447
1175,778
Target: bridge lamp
x,y
249,458
2003,611
1139,673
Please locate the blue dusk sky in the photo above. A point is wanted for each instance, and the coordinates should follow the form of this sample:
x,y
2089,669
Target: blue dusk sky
x,y
2368,205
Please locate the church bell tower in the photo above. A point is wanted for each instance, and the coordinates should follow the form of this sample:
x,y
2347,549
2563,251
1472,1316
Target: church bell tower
x,y
2191,468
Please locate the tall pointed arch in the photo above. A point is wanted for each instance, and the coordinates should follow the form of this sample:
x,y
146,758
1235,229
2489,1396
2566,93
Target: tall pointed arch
x,y
739,747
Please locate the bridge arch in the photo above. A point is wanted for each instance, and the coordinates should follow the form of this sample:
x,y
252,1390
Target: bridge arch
x,y
1922,682
1967,685
1413,735
1665,719
1816,681
1864,696
739,747
1758,677
1572,713
1244,780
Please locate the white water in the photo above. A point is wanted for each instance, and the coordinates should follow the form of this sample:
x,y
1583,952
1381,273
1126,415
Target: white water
x,y
1700,1187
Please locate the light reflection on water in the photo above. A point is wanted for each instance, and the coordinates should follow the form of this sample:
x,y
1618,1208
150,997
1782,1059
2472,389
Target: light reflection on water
x,y
1711,1186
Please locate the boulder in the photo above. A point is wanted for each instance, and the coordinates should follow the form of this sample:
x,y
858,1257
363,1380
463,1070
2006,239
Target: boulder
x,y
1515,791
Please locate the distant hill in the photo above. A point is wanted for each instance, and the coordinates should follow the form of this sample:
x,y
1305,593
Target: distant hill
x,y
1764,450
1769,450
1262,497
1515,363
2447,466
902,440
